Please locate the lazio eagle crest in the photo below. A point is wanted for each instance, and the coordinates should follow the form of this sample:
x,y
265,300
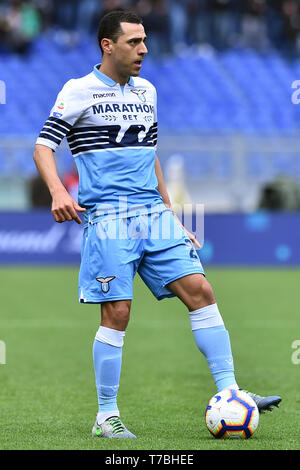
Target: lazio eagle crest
x,y
105,282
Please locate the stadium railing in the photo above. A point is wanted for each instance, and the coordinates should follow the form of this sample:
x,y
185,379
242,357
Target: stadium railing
x,y
225,173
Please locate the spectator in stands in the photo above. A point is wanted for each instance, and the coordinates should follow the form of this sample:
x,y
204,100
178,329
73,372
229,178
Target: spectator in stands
x,y
223,22
45,8
65,20
178,19
66,14
173,24
89,12
155,15
274,20
198,22
2,24
290,27
254,29
110,5
20,25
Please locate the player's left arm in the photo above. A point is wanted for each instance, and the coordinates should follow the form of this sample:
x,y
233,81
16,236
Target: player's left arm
x,y
166,199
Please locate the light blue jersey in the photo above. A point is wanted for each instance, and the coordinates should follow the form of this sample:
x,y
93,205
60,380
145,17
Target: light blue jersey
x,y
112,134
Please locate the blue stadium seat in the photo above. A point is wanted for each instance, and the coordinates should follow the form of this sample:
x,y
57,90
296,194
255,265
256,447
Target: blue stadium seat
x,y
211,94
222,86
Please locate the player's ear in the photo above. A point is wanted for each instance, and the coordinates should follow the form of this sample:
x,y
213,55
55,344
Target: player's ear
x,y
106,45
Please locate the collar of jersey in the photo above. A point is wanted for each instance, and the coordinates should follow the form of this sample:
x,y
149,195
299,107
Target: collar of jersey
x,y
107,80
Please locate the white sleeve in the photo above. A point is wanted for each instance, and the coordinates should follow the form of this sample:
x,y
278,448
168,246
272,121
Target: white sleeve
x,y
65,113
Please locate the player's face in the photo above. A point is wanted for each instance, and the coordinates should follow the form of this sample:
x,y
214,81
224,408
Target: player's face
x,y
129,51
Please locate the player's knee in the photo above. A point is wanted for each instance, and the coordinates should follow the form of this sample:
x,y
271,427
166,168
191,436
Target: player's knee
x,y
115,314
120,315
201,295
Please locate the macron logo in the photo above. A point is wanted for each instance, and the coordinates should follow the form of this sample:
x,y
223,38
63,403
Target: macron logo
x,y
103,95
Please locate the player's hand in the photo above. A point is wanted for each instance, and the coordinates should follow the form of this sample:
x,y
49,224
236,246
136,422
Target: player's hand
x,y
192,238
65,208
189,234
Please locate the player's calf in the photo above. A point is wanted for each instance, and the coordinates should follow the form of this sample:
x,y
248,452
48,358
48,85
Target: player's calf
x,y
213,341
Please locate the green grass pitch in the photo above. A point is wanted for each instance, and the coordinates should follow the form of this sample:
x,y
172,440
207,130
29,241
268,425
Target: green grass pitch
x,y
47,393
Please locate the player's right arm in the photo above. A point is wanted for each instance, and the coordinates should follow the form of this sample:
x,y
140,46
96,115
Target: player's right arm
x,y
64,207
64,114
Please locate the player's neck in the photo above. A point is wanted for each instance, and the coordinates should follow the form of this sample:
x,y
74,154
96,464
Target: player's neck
x,y
111,73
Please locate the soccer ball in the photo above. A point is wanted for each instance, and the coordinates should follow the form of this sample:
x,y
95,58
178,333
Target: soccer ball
x,y
231,414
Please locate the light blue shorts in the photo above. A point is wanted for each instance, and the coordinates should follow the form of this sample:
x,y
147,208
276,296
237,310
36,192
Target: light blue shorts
x,y
154,245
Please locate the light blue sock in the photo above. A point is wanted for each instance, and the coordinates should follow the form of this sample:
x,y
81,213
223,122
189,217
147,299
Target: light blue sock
x,y
107,365
213,341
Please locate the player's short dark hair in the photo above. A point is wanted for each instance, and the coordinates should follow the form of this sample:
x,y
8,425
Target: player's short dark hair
x,y
110,24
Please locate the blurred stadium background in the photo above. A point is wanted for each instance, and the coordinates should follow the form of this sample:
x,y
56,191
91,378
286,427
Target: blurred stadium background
x,y
226,74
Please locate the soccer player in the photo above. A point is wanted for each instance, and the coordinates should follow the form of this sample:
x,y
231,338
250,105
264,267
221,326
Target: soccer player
x,y
110,120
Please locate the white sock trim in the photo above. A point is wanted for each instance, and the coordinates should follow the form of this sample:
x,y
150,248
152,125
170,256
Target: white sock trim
x,y
206,317
110,336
